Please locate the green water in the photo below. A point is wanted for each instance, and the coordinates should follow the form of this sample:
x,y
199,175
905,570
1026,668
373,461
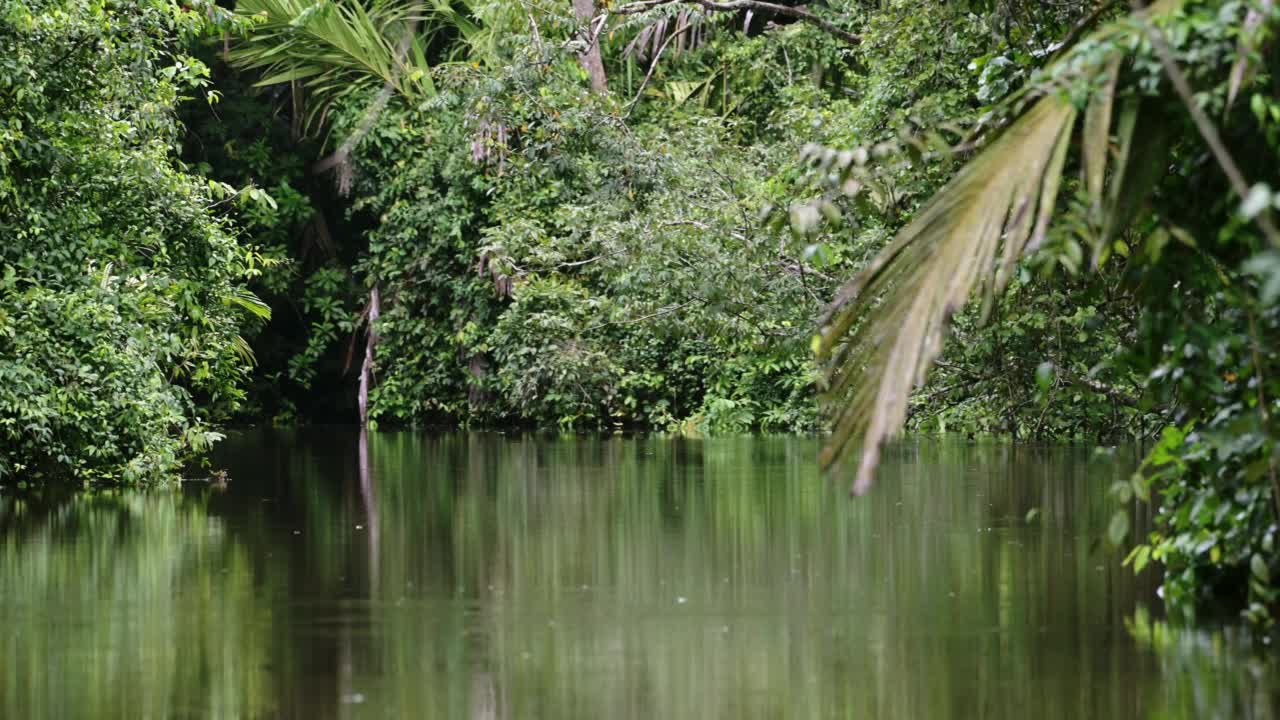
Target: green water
x,y
479,576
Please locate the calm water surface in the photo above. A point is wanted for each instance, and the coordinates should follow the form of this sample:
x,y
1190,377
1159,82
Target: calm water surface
x,y
480,576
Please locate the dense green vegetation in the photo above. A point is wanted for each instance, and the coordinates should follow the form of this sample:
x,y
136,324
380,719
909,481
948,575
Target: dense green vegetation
x,y
122,293
637,214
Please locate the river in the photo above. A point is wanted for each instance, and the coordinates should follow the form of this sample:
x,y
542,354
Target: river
x,y
413,575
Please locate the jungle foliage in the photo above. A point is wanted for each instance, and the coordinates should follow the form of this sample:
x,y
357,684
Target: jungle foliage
x,y
653,255
550,255
638,215
121,287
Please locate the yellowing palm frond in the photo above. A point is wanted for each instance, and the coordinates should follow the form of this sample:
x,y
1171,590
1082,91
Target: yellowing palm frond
x,y
887,326
890,320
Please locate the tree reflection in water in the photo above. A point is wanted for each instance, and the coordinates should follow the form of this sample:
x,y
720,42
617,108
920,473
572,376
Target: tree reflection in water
x,y
410,575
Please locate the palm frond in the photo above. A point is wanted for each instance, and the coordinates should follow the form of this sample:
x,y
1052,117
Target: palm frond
x,y
249,302
243,350
887,325
335,48
687,27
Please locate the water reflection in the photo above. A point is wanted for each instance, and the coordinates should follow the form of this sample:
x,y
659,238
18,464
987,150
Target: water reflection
x,y
405,575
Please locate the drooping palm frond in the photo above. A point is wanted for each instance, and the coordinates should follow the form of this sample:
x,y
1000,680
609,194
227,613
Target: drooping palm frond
x,y
687,28
335,47
886,326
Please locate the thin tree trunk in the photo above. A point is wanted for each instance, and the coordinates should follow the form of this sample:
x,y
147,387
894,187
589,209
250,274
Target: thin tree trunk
x,y
366,370
590,58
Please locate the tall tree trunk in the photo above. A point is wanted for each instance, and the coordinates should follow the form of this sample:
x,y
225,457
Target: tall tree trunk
x,y
590,58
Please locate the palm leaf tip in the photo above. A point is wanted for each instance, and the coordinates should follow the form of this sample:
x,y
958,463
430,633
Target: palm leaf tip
x,y
889,322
